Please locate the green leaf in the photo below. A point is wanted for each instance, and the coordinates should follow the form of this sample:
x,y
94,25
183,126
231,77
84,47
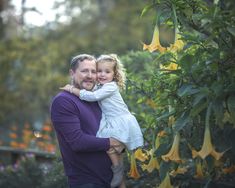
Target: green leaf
x,y
164,168
162,149
218,107
187,90
231,107
231,30
198,97
165,115
146,9
181,122
198,108
232,140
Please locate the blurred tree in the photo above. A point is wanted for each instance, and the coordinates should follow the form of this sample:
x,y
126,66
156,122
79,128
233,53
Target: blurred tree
x,y
34,64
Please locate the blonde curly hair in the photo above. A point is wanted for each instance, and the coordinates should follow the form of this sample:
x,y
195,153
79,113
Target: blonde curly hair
x,y
119,70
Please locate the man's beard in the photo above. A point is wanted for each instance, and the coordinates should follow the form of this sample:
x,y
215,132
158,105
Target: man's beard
x,y
80,85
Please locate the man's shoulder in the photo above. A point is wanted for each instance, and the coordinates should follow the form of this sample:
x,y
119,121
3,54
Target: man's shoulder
x,y
64,96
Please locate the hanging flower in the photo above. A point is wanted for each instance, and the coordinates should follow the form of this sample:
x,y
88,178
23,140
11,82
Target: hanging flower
x,y
177,46
159,136
179,170
140,155
171,121
229,170
153,163
166,183
173,154
170,67
155,44
151,103
133,169
207,148
199,171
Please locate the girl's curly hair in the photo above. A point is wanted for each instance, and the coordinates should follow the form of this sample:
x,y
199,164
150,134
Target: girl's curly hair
x,y
119,70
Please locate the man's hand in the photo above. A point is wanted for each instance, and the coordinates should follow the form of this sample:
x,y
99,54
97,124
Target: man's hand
x,y
114,142
116,146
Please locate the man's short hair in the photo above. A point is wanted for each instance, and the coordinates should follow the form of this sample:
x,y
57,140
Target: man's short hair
x,y
80,58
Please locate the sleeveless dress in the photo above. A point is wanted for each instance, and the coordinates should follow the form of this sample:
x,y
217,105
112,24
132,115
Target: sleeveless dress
x,y
117,121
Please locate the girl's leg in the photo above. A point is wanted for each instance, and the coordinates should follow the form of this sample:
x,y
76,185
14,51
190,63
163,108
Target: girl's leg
x,y
123,184
117,168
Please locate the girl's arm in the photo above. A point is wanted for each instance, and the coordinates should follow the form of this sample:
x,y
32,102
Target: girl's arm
x,y
71,89
99,94
105,91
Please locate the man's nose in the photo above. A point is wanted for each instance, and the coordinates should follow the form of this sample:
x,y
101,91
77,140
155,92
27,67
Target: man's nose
x,y
89,74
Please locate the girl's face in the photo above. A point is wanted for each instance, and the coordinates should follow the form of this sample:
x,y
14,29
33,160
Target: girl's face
x,y
105,72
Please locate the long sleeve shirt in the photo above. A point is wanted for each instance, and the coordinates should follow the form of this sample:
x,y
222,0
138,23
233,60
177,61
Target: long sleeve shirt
x,y
84,155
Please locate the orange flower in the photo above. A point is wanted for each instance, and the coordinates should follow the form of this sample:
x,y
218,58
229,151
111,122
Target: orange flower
x,y
50,148
140,155
207,148
173,154
13,135
179,170
133,169
46,137
153,163
47,128
22,145
162,133
199,171
166,183
14,144
229,170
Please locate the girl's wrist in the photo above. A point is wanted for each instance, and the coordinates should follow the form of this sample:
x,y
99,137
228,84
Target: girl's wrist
x,y
71,89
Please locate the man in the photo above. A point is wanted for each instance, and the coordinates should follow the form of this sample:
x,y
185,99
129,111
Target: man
x,y
76,122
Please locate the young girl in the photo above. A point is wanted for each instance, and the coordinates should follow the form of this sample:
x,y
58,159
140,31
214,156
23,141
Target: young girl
x,y
117,121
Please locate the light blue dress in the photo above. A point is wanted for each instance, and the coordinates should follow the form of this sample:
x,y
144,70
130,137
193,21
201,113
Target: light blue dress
x,y
117,121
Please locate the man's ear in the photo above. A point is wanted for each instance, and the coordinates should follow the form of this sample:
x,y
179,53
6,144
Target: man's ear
x,y
71,72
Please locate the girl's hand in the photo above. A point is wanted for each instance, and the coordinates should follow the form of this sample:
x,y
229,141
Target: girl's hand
x,y
68,88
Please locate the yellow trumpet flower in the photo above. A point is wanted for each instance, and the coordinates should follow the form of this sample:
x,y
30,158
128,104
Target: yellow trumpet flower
x,y
207,147
133,169
153,163
159,136
179,170
177,46
155,44
199,171
140,155
170,67
173,154
166,183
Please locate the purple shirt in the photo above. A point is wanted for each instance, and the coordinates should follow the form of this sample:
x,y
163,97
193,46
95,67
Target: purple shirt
x,y
84,155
